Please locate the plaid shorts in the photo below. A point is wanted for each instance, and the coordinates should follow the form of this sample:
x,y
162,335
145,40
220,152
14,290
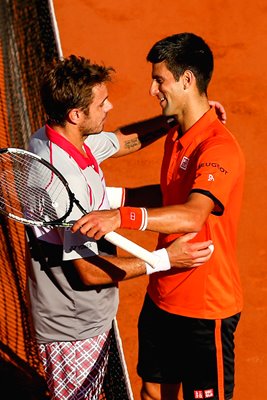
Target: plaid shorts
x,y
75,370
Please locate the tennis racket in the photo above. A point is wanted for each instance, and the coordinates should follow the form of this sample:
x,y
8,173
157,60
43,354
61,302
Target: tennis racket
x,y
33,192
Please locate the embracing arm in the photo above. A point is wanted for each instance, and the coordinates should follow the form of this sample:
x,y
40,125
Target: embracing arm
x,y
101,270
181,218
187,217
135,136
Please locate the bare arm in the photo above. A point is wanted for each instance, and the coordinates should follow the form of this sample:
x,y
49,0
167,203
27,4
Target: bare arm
x,y
187,217
135,136
182,218
101,270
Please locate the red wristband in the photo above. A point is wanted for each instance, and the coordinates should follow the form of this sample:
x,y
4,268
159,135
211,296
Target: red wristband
x,y
133,218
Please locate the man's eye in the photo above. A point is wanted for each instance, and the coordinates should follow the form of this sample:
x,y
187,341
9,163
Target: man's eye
x,y
103,103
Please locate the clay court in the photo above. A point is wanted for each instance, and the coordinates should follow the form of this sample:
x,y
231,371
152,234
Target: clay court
x,y
120,33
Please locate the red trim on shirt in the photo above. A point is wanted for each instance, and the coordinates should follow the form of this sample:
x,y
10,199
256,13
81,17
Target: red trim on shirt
x,y
64,144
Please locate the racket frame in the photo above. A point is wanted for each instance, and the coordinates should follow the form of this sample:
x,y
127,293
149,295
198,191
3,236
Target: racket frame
x,y
59,222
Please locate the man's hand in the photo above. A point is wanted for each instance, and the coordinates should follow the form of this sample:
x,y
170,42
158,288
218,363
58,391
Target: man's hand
x,y
220,111
97,223
183,254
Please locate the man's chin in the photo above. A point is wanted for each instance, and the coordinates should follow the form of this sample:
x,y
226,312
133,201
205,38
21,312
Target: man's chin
x,y
99,130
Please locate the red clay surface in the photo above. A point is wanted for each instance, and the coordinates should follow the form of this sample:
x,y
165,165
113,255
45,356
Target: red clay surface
x,y
119,33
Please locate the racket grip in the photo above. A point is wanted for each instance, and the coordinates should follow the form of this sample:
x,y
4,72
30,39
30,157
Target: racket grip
x,y
132,248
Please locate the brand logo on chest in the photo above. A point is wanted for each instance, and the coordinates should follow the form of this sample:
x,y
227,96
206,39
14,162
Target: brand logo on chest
x,y
184,163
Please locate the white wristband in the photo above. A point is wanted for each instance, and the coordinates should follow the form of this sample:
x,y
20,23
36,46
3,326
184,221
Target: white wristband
x,y
163,263
144,219
116,196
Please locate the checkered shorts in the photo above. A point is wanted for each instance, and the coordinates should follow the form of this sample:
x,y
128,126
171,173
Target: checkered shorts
x,y
76,370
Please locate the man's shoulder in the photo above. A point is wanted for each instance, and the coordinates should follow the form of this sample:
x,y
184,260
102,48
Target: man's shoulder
x,y
222,144
38,142
39,134
219,134
103,145
102,137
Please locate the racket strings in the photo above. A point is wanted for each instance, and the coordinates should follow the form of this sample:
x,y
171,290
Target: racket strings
x,y
31,190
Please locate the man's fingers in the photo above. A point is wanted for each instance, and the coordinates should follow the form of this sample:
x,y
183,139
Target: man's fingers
x,y
211,247
187,237
198,246
91,231
199,257
207,251
79,224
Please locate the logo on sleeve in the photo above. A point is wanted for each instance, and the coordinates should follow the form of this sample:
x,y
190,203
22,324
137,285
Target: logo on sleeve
x,y
211,178
213,165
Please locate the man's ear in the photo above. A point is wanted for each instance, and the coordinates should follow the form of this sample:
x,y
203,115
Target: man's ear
x,y
188,78
74,116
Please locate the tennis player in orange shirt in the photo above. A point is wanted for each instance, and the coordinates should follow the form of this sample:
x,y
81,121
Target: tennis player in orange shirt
x,y
189,316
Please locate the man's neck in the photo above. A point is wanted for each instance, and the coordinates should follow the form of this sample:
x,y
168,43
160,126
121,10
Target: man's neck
x,y
70,133
192,112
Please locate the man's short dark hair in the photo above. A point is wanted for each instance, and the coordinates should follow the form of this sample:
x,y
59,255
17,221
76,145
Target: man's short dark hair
x,y
185,51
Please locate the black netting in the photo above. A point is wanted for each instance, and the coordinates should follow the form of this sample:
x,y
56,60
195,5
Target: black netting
x,y
26,43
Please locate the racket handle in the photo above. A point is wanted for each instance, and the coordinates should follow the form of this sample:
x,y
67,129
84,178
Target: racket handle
x,y
132,248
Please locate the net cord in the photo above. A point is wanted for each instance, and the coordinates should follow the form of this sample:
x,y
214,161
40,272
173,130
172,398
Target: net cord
x,y
55,27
